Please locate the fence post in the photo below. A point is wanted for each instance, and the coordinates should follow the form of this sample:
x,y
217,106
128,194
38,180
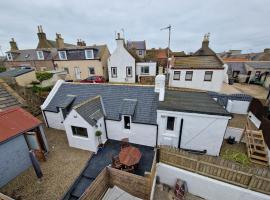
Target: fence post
x,y
251,182
198,166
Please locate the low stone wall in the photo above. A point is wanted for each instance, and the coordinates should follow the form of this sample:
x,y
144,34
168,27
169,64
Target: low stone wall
x,y
147,80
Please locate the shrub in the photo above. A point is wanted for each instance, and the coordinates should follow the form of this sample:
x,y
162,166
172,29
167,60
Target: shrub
x,y
2,69
38,89
98,133
42,76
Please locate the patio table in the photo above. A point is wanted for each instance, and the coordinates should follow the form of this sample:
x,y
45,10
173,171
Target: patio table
x,y
130,156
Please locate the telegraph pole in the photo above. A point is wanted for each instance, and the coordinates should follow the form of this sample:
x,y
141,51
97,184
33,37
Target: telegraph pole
x,y
168,50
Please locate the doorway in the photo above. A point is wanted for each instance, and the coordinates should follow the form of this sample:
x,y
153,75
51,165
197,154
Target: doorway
x,y
77,73
248,76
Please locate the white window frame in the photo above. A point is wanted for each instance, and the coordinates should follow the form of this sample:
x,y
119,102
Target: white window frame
x,y
143,73
9,56
89,68
140,52
92,53
40,55
60,57
114,75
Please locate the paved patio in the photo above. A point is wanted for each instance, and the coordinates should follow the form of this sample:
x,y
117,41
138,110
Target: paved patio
x,y
102,159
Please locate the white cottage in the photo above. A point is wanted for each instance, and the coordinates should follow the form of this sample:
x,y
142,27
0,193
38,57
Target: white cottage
x,y
146,115
203,70
127,65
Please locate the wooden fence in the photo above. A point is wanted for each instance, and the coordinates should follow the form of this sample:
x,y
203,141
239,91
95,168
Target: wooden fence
x,y
251,178
138,186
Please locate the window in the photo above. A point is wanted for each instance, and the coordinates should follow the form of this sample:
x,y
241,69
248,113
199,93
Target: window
x,y
235,74
140,52
208,76
145,70
9,56
62,55
129,71
89,54
126,122
40,55
114,72
79,131
176,75
91,70
170,123
66,69
189,75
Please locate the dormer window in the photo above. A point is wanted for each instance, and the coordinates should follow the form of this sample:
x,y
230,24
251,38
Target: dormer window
x,y
62,55
40,55
9,57
89,54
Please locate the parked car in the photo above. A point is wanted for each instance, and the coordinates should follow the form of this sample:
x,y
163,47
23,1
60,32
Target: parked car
x,y
93,79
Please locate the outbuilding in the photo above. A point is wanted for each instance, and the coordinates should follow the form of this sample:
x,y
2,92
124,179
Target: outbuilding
x,y
19,133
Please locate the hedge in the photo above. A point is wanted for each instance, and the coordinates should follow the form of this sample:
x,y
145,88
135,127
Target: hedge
x,y
42,76
38,89
2,69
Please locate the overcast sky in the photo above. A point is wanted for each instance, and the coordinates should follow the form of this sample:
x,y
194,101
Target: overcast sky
x,y
233,24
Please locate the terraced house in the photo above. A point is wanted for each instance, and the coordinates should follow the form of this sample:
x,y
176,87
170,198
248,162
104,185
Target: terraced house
x,y
39,58
81,62
203,70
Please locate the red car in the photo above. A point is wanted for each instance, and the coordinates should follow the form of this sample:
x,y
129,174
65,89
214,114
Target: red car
x,y
93,79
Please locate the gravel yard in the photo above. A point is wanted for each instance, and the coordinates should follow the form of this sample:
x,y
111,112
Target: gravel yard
x,y
62,167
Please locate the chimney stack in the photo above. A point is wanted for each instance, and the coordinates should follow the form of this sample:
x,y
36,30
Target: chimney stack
x,y
81,43
13,45
43,43
59,41
120,41
205,42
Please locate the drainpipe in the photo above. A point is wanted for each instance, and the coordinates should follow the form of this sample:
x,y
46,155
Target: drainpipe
x,y
105,128
157,137
180,133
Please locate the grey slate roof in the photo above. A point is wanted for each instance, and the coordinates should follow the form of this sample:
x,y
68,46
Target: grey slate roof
x,y
138,45
193,102
236,66
112,97
68,101
78,52
16,72
128,106
259,64
31,54
223,99
91,110
6,99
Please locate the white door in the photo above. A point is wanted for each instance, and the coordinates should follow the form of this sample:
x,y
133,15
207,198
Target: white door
x,y
77,73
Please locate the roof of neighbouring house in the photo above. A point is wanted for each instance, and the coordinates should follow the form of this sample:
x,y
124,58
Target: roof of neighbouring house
x,y
91,110
31,54
138,45
197,62
193,102
259,64
77,52
8,97
16,72
15,121
237,66
141,102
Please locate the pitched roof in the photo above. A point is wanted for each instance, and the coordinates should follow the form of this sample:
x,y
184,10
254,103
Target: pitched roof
x,y
259,64
91,110
31,54
15,121
236,66
77,52
193,102
197,62
138,45
128,106
16,72
112,97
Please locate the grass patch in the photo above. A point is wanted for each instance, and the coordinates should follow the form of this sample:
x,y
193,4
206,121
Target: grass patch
x,y
236,156
42,76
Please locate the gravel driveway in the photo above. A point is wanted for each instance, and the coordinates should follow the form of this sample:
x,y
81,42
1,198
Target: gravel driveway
x,y
62,167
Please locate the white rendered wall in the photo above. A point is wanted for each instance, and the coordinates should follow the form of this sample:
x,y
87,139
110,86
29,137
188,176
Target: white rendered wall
x,y
254,119
200,131
138,133
238,107
152,68
90,143
205,187
198,80
234,132
121,58
54,120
